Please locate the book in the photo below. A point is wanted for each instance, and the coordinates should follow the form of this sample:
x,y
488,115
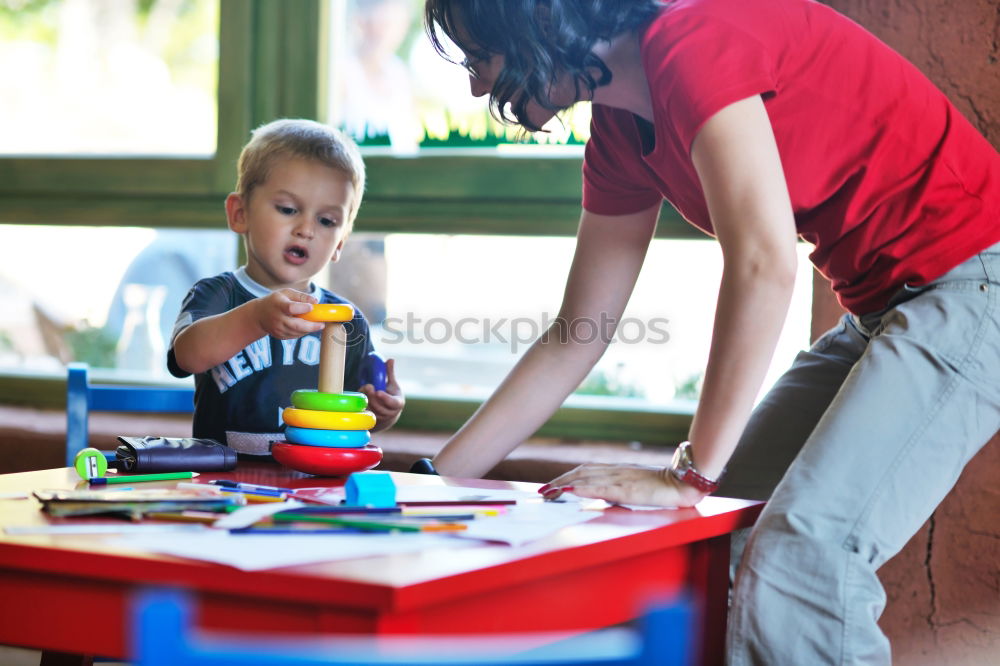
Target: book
x,y
131,504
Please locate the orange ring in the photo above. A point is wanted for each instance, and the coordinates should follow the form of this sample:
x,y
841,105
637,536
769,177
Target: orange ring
x,y
325,312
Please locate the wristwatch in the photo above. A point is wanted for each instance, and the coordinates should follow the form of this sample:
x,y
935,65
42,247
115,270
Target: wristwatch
x,y
682,468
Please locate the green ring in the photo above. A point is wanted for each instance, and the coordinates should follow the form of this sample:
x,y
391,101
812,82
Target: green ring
x,y
349,401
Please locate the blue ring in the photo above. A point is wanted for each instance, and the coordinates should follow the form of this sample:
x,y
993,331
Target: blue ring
x,y
342,439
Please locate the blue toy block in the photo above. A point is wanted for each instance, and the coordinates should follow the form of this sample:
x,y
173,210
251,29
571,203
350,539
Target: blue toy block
x,y
374,489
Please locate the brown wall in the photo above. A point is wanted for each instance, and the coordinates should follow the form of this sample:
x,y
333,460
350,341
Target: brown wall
x,y
944,587
956,43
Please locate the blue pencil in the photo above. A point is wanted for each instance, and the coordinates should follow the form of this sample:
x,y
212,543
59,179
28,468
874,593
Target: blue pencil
x,y
250,487
391,514
293,530
252,491
343,509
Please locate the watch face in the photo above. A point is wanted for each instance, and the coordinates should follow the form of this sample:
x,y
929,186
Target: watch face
x,y
682,467
682,457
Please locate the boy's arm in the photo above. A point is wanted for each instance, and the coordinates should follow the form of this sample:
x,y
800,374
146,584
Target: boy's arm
x,y
215,339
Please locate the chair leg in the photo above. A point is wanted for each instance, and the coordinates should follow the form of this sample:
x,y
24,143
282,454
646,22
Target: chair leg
x,y
77,410
52,658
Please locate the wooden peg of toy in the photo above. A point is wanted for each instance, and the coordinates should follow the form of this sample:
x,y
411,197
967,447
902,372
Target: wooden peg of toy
x,y
333,343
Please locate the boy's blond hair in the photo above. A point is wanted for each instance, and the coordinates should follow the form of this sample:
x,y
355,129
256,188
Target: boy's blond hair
x,y
297,137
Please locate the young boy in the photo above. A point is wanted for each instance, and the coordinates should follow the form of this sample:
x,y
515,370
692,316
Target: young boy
x,y
298,191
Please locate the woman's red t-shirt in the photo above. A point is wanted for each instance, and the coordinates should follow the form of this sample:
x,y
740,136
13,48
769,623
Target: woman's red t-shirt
x,y
887,180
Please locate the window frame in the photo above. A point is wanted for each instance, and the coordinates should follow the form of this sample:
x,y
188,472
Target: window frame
x,y
151,191
271,64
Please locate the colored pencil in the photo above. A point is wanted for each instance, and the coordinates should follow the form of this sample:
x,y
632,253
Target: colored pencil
x,y
255,493
478,512
164,476
293,515
368,525
294,530
254,498
252,487
364,510
460,503
183,517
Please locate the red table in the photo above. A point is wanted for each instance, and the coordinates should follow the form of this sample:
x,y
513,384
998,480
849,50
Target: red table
x,y
72,593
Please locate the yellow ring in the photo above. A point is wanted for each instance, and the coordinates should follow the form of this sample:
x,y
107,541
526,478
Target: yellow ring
x,y
310,418
329,312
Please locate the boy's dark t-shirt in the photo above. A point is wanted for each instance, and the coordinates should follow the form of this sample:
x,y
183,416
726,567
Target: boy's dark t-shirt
x,y
247,393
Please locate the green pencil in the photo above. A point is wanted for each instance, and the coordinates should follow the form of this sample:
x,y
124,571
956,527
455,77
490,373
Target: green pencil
x,y
367,525
165,476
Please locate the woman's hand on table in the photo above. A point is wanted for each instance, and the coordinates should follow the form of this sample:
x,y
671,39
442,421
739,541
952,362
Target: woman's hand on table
x,y
624,484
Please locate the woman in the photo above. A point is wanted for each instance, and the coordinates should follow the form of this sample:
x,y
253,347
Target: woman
x,y
763,122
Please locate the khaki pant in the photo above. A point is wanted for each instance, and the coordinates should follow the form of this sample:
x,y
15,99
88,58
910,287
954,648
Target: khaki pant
x,y
853,448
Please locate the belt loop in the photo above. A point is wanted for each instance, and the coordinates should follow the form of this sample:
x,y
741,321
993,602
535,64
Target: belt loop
x,y
991,264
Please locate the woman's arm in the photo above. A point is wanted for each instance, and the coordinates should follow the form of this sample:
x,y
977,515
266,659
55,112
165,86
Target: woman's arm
x,y
737,161
609,255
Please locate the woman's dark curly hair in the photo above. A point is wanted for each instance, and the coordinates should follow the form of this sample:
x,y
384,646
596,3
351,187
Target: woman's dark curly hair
x,y
540,40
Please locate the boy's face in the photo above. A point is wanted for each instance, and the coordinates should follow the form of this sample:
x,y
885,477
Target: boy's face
x,y
294,224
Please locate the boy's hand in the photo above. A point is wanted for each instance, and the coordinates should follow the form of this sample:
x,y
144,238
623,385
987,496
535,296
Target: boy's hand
x,y
277,314
387,404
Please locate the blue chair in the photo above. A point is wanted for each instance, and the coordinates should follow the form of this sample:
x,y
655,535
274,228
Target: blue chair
x,y
162,636
82,397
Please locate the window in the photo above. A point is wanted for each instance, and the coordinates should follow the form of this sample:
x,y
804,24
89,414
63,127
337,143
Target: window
x,y
117,312
458,311
118,159
93,78
71,150
83,209
391,89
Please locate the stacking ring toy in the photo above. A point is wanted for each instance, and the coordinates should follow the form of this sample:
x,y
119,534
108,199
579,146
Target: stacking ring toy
x,y
329,312
90,463
348,401
334,438
308,418
327,430
324,461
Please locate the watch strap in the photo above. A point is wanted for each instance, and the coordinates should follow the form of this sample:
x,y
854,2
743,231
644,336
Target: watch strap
x,y
682,468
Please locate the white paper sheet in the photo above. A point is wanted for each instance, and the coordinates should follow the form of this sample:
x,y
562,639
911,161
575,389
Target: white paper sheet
x,y
334,496
527,522
520,525
530,519
256,552
461,494
105,528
